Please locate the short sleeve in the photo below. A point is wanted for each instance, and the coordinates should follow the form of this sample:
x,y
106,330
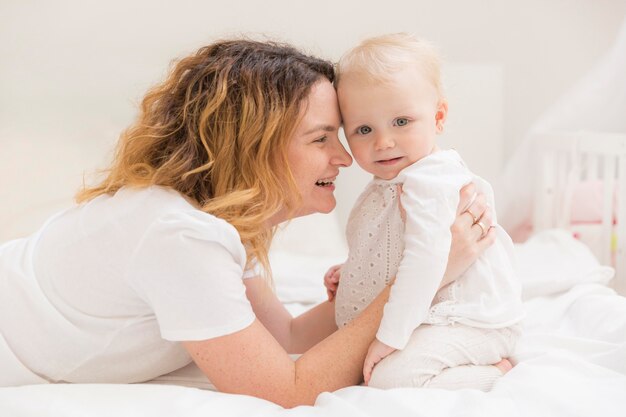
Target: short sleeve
x,y
188,268
255,270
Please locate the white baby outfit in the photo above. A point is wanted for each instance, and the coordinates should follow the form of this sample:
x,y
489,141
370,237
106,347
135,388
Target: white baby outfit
x,y
482,307
104,291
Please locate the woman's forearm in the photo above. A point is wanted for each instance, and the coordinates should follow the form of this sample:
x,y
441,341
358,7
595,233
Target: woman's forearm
x,y
252,362
311,327
270,311
295,335
337,361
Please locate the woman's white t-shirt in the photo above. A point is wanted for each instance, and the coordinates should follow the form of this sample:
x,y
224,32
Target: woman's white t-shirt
x,y
105,290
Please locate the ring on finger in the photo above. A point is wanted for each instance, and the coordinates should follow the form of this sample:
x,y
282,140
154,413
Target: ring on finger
x,y
474,218
483,228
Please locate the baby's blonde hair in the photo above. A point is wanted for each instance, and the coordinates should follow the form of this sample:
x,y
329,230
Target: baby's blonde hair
x,y
378,57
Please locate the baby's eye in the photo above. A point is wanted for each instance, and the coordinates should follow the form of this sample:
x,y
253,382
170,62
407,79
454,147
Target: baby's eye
x,y
401,121
364,130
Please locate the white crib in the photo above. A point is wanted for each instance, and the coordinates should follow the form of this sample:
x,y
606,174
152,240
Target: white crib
x,y
564,162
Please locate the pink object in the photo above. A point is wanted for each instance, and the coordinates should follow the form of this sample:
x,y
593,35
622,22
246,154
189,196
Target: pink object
x,y
587,202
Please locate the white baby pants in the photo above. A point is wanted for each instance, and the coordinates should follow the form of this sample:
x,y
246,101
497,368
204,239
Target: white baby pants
x,y
449,357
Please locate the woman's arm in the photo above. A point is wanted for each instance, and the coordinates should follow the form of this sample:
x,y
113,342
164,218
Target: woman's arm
x,y
252,362
295,335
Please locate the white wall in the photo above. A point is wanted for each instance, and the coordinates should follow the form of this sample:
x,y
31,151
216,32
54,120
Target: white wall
x,y
72,71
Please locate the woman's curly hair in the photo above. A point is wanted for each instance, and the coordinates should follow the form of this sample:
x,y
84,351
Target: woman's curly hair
x,y
217,130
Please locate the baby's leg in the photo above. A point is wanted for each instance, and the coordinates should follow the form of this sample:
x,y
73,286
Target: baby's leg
x,y
434,351
481,377
423,358
486,346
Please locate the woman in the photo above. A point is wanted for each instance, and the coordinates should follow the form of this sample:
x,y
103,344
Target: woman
x,y
165,260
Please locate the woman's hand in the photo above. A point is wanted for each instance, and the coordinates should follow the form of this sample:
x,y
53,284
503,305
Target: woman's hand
x,y
471,233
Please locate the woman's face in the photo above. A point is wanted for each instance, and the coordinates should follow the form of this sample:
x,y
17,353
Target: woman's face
x,y
315,153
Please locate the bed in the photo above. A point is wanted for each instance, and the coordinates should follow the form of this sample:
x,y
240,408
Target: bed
x,y
571,360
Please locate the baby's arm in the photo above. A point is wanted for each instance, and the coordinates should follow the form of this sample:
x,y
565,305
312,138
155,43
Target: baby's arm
x,y
376,353
430,197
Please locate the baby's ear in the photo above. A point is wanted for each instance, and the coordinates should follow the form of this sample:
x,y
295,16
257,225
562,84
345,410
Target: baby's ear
x,y
441,115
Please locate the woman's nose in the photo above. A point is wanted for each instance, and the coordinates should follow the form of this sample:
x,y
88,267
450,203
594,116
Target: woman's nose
x,y
341,157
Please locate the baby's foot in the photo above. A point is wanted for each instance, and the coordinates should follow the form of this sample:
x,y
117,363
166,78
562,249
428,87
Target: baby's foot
x,y
504,366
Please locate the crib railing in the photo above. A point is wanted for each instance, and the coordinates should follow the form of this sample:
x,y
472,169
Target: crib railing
x,y
564,161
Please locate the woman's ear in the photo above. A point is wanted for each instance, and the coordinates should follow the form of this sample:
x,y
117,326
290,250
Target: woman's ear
x,y
441,115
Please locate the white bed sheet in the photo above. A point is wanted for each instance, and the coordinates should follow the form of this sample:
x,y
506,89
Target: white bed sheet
x,y
571,361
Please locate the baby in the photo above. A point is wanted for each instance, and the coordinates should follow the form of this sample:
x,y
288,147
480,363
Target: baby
x,y
392,105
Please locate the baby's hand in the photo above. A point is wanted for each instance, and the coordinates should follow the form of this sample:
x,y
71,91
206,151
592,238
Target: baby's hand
x,y
377,351
331,281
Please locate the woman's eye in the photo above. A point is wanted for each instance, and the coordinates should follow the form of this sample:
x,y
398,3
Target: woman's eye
x,y
402,121
364,130
321,140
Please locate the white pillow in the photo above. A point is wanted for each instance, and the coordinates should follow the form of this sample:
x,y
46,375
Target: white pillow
x,y
553,261
301,253
299,278
315,234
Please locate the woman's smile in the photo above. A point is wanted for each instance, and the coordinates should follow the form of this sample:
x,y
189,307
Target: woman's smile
x,y
328,183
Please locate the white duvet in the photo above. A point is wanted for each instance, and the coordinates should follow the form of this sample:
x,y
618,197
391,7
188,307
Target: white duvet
x,y
571,361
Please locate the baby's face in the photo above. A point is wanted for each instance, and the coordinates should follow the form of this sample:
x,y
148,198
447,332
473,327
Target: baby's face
x,y
390,125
